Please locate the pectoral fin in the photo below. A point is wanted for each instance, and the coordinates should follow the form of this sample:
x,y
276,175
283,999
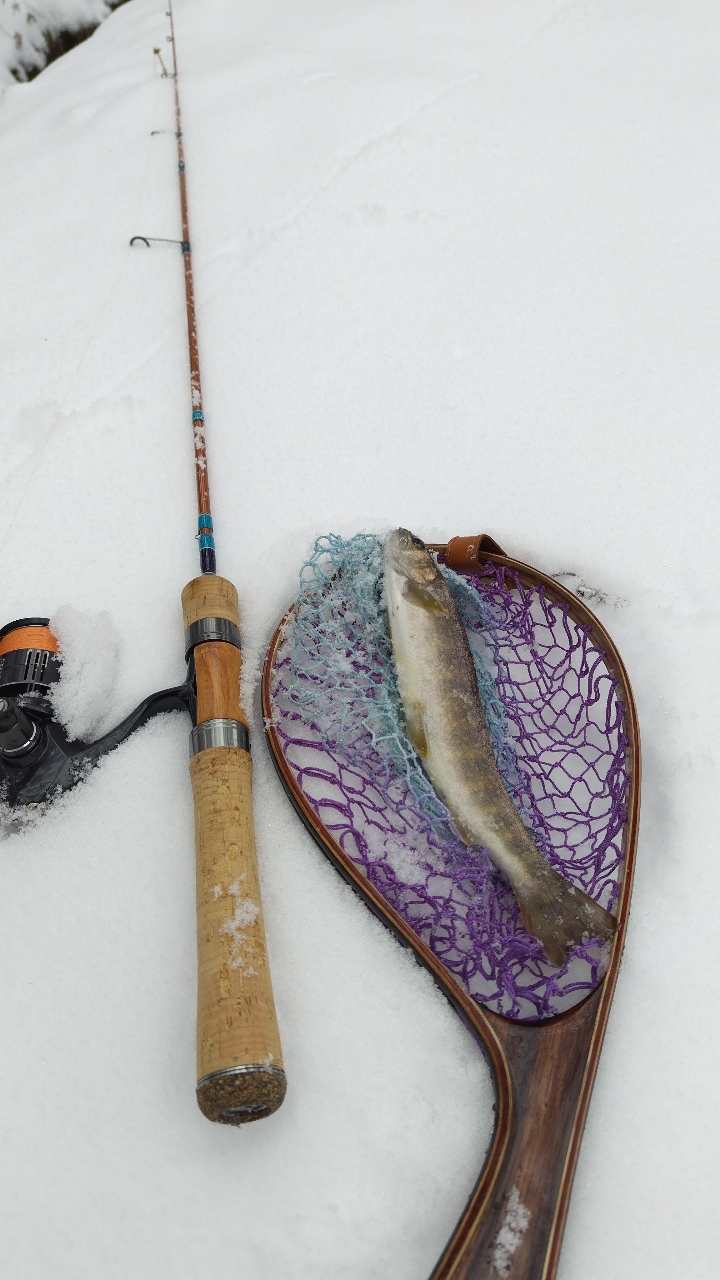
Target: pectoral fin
x,y
416,728
423,598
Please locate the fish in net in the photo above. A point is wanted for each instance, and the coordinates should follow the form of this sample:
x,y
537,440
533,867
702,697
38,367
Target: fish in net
x,y
555,722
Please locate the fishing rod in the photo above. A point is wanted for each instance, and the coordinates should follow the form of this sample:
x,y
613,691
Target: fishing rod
x,y
240,1075
205,522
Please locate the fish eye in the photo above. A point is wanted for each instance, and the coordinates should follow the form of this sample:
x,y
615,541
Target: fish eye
x,y
417,542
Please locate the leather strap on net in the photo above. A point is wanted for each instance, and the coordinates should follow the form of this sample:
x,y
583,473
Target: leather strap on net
x,y
465,554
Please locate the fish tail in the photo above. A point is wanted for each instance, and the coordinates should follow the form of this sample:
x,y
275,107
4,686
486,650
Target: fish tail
x,y
560,915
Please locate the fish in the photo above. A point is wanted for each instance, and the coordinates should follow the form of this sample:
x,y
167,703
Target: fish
x,y
446,726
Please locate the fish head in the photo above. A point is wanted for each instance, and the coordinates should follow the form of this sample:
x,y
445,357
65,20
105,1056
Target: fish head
x,y
409,557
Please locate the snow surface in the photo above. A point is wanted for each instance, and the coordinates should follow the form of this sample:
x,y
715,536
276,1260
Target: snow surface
x,y
24,27
90,648
457,268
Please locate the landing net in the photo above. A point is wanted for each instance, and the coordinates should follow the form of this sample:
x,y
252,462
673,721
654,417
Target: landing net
x,y
555,722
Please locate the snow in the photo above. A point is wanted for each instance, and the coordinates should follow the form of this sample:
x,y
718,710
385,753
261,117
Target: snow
x,y
90,648
515,1223
246,913
24,28
457,268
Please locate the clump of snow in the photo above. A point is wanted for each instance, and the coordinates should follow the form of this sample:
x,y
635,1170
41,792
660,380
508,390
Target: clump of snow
x,y
90,648
515,1223
591,595
244,915
13,821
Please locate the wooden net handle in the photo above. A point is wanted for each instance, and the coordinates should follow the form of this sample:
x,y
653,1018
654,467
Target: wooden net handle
x,y
239,1058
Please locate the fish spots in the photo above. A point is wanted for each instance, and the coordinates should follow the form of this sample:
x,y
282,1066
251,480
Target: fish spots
x,y
464,698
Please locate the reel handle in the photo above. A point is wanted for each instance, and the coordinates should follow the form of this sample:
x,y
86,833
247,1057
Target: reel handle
x,y
239,1058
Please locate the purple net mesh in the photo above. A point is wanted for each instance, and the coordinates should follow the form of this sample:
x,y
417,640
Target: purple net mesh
x,y
556,724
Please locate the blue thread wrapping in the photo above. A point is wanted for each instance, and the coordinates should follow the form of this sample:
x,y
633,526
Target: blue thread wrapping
x,y
205,521
198,413
207,540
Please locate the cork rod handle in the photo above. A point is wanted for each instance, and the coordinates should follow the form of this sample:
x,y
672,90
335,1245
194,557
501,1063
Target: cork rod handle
x,y
239,1058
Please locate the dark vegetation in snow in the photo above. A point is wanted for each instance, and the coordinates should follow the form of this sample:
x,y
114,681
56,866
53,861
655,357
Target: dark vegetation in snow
x,y
52,42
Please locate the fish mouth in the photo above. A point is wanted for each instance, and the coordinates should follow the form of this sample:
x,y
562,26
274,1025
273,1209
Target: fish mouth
x,y
403,547
408,540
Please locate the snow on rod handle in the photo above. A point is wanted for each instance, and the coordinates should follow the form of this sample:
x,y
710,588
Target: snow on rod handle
x,y
239,1058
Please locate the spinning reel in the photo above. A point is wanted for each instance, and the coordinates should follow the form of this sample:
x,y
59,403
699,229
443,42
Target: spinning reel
x,y
37,759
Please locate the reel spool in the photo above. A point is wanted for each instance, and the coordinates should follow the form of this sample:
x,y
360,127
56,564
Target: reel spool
x,y
29,661
37,759
29,665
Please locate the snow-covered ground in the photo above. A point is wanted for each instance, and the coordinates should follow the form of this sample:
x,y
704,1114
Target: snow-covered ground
x,y
457,268
27,29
